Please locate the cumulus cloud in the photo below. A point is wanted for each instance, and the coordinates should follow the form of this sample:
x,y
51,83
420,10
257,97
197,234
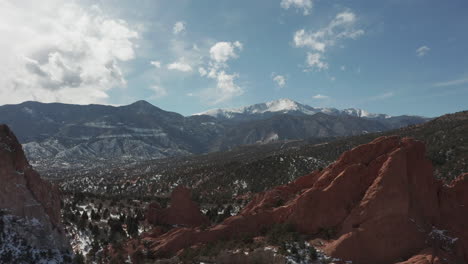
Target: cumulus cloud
x,y
310,40
202,71
54,51
343,26
156,64
422,51
320,97
223,51
280,80
217,68
180,65
188,56
314,60
305,5
211,61
179,27
226,88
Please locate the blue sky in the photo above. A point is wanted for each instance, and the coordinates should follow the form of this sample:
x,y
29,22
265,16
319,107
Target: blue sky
x,y
395,57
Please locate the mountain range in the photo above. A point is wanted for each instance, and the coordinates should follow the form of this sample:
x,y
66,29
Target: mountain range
x,y
220,177
381,196
64,135
285,106
363,198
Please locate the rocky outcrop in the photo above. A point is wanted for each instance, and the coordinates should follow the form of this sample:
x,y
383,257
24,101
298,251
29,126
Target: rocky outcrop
x,y
380,200
182,211
399,207
24,195
429,256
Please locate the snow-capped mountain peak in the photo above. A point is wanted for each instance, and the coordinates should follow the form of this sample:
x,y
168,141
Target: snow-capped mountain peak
x,y
285,105
282,105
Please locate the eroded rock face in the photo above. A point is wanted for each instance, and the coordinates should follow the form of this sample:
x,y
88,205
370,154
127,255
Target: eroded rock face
x,y
380,199
397,211
24,194
182,211
427,256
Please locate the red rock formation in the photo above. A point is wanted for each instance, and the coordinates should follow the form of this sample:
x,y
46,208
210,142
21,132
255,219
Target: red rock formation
x,y
23,193
182,211
427,256
380,198
403,197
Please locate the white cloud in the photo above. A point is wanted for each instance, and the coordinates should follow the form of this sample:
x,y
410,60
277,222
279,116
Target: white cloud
x,y
340,28
180,65
202,71
156,64
213,72
159,91
226,87
320,97
343,18
280,80
54,51
179,27
343,68
451,82
305,5
314,60
311,40
223,51
187,53
422,51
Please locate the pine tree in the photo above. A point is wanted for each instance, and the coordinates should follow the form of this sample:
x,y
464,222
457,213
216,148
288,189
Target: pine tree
x,y
84,216
132,226
2,226
93,215
79,259
106,214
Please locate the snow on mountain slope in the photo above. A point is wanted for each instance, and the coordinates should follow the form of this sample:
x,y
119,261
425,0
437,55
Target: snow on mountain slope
x,y
61,135
285,106
281,105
